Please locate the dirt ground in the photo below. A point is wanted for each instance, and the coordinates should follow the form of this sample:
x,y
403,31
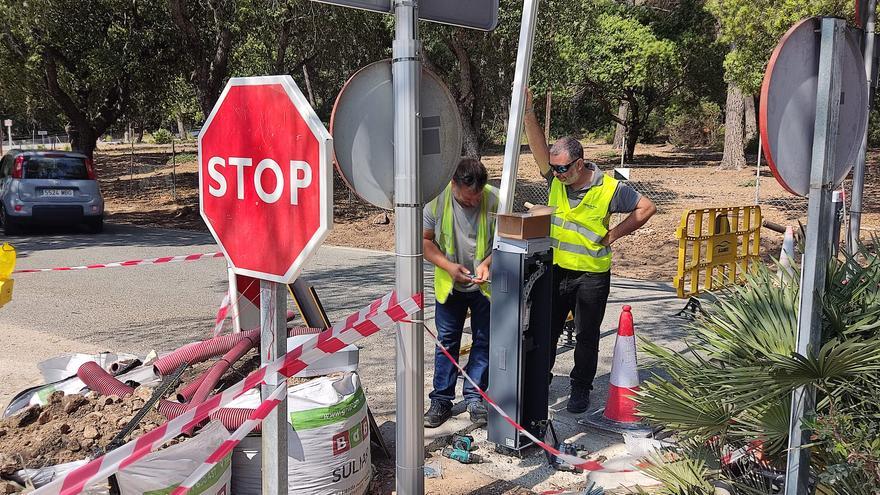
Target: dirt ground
x,y
139,189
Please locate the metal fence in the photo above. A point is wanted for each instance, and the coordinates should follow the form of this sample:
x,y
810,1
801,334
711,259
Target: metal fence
x,y
53,142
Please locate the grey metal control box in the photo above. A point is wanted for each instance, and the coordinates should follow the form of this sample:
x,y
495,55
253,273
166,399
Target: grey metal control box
x,y
519,339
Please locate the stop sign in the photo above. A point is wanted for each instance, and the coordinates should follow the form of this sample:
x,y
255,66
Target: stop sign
x,y
265,180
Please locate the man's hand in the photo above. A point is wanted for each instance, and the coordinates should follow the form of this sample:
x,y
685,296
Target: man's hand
x,y
459,274
482,272
609,238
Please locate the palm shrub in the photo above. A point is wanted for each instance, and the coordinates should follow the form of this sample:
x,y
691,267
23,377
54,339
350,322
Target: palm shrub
x,y
731,389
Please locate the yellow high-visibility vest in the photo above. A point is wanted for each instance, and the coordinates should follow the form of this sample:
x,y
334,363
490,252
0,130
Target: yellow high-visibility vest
x,y
445,237
577,233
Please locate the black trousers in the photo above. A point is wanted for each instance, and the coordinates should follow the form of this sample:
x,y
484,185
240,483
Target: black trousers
x,y
585,294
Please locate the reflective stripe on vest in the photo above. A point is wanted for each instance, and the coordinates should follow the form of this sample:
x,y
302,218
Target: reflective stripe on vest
x,y
578,232
443,282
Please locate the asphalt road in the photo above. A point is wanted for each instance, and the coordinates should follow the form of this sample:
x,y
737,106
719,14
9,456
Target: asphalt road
x,y
137,309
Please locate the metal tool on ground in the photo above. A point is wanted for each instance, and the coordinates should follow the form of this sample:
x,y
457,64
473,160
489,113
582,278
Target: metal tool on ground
x,y
462,456
463,442
559,464
168,383
619,413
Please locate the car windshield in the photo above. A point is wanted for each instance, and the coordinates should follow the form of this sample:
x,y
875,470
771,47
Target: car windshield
x,y
44,167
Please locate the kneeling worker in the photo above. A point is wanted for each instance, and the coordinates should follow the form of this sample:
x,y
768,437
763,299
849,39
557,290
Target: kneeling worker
x,y
459,231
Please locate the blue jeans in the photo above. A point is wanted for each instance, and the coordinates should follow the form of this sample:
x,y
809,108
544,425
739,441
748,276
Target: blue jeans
x,y
449,318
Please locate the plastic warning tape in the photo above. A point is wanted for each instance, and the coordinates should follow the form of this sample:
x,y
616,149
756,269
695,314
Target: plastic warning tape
x,y
381,313
255,418
575,461
221,314
153,261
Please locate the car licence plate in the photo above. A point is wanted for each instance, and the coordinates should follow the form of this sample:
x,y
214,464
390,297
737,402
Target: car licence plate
x,y
56,193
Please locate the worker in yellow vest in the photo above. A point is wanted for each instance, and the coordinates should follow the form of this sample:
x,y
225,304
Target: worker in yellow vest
x,y
584,198
459,228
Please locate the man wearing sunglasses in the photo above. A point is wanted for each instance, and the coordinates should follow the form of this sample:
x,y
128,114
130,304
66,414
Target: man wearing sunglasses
x,y
584,198
459,228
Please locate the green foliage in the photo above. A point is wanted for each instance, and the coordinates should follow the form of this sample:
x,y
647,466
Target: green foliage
x,y
734,383
162,136
752,29
86,57
184,157
694,126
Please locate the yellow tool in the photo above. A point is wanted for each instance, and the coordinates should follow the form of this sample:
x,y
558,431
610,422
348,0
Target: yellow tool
x,y
7,265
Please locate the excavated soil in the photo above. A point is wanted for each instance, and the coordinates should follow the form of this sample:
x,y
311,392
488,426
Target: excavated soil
x,y
69,428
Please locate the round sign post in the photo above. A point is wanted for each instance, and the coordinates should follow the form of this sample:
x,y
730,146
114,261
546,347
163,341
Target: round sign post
x,y
813,111
789,100
265,192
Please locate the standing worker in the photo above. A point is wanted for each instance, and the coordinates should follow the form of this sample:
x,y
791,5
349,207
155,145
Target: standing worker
x,y
584,198
458,237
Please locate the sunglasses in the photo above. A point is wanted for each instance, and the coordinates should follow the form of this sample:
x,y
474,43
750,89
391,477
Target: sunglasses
x,y
561,169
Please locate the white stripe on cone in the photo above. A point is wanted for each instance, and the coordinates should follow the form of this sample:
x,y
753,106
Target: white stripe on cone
x,y
624,373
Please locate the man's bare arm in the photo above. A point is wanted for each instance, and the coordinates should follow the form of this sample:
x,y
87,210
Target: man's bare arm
x,y
645,209
536,138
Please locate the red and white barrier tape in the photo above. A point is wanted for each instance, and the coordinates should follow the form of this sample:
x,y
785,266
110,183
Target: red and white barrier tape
x,y
221,314
570,459
381,313
257,416
152,261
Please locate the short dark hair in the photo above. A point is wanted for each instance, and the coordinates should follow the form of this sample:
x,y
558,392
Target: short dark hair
x,y
568,145
471,173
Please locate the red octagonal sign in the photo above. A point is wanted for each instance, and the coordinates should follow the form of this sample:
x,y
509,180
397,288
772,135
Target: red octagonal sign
x,y
265,183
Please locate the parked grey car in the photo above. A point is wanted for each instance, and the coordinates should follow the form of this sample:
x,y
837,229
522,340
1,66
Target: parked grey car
x,y
49,188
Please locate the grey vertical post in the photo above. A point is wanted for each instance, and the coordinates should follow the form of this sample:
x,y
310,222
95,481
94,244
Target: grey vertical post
x,y
855,211
273,344
517,104
410,361
817,244
173,171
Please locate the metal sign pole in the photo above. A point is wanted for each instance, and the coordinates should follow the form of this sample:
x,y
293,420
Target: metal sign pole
x,y
517,104
410,361
817,243
273,343
855,211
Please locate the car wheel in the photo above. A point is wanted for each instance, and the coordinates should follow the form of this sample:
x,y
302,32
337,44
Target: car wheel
x,y
9,226
95,225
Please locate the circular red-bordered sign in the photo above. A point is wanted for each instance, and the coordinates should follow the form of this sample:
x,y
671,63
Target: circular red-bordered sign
x,y
787,112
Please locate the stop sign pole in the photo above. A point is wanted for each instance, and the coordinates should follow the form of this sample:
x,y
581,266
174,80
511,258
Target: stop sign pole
x,y
410,362
265,193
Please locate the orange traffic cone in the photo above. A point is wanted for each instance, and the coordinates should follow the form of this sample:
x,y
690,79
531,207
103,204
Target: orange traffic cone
x,y
619,413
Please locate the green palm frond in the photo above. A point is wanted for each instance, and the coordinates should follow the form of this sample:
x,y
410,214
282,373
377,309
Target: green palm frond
x,y
769,424
664,403
835,360
680,476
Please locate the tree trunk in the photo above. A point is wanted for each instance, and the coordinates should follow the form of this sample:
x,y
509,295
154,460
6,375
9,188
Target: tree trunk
x,y
83,139
181,128
734,147
469,106
751,121
620,130
470,141
632,137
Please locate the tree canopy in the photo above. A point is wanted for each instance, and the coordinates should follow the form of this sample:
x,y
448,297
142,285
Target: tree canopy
x,y
103,66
